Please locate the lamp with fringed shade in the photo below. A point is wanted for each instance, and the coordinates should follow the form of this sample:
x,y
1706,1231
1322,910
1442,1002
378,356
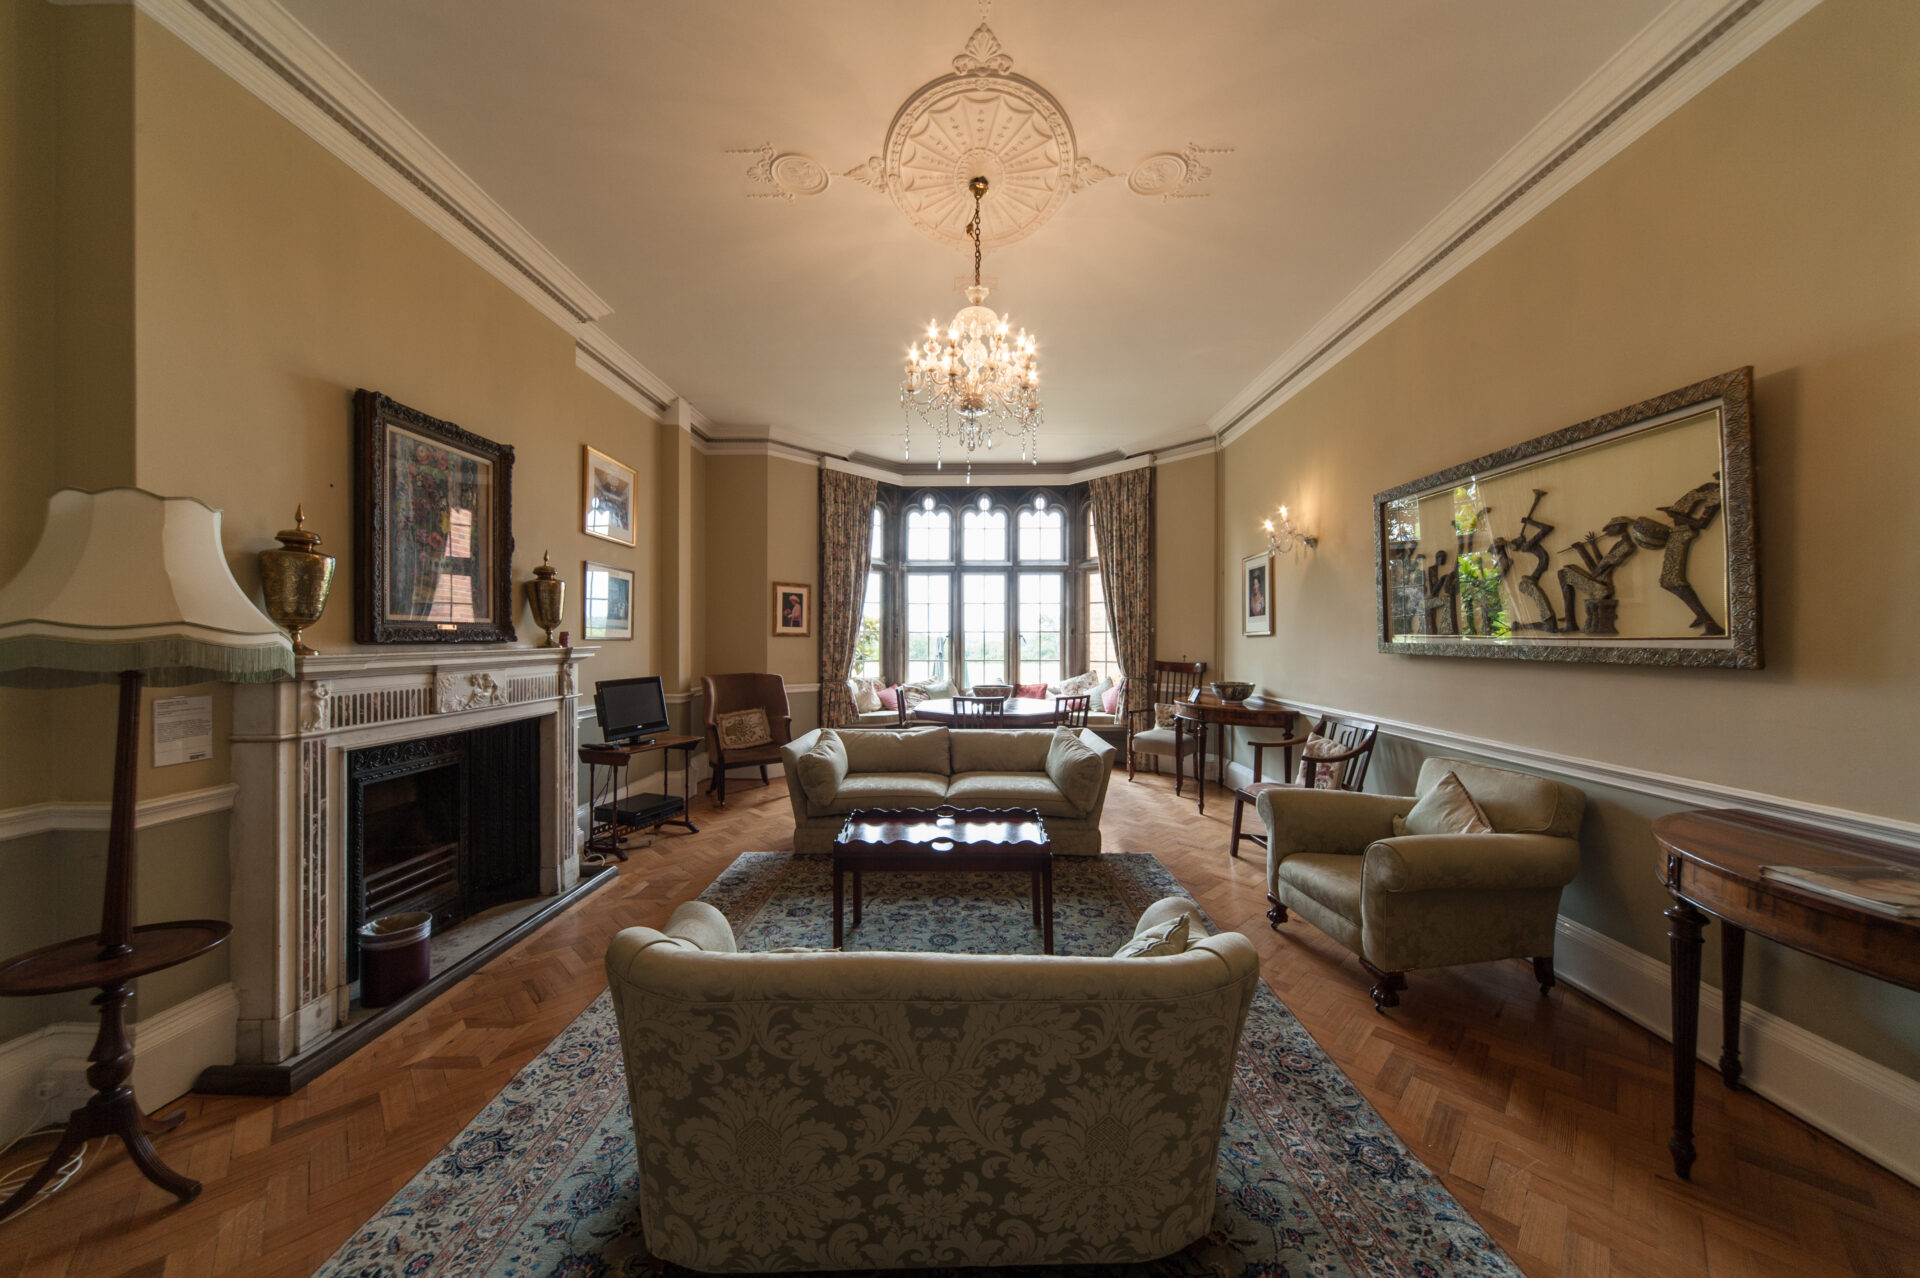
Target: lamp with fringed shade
x,y
131,588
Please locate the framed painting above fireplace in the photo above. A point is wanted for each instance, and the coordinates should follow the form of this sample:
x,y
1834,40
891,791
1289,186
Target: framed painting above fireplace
x,y
433,528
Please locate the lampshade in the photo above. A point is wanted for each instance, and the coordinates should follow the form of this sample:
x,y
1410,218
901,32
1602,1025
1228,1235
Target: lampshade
x,y
125,579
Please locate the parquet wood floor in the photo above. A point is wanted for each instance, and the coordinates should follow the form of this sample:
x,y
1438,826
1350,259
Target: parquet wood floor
x,y
1545,1117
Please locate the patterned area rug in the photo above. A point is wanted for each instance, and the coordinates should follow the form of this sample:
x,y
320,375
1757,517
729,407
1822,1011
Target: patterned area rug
x,y
1312,1180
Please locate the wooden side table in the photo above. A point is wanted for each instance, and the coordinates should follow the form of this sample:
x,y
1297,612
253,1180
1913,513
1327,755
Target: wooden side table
x,y
1712,868
1197,715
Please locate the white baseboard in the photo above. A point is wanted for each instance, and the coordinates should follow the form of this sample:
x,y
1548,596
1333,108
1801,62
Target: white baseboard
x,y
43,1074
1863,1105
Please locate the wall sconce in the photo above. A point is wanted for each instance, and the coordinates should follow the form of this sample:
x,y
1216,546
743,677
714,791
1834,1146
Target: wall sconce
x,y
1281,539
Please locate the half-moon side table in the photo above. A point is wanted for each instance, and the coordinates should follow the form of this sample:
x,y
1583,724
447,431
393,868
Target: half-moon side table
x,y
1199,714
1712,867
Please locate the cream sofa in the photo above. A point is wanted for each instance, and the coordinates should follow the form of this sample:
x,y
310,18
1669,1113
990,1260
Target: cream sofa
x,y
1060,772
824,1110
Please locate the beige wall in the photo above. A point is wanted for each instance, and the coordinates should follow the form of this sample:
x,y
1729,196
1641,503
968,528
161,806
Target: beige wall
x,y
1769,222
1186,592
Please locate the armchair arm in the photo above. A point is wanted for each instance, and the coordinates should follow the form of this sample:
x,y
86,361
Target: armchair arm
x,y
1304,820
1471,862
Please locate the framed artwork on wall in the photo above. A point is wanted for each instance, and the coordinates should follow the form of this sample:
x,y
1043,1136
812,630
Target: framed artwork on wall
x,y
1627,539
608,501
1256,594
792,609
607,602
433,529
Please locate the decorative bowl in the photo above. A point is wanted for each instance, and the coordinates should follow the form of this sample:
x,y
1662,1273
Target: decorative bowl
x,y
1231,690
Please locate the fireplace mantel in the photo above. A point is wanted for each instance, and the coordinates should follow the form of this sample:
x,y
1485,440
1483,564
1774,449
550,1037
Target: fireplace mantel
x,y
288,850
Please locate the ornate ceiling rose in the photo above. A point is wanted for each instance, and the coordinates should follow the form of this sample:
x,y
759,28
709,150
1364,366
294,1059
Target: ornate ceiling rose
x,y
980,121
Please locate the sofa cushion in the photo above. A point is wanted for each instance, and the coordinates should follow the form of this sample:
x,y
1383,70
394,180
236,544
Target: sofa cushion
x,y
889,697
905,750
1031,691
1000,749
1158,941
1079,685
1075,769
887,790
1332,879
1445,809
866,696
1010,790
1514,802
822,768
1163,911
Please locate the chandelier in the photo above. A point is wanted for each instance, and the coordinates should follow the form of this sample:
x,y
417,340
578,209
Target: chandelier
x,y
973,383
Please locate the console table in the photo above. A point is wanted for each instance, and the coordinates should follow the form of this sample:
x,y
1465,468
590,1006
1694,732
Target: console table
x,y
1712,867
617,758
1196,716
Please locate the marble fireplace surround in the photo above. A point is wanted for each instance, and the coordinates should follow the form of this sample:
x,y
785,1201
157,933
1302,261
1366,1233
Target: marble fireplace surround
x,y
289,829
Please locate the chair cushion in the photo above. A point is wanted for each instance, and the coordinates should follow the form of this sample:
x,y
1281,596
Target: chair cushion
x,y
1160,741
999,749
1445,809
1010,790
911,790
1321,776
1163,714
1514,802
1075,769
742,729
1333,879
903,750
1158,941
822,768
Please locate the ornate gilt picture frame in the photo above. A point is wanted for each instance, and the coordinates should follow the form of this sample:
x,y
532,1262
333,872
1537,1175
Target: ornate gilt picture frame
x,y
1626,539
433,529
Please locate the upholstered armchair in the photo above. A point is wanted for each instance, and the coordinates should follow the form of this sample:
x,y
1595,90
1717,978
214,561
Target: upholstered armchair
x,y
1403,901
729,693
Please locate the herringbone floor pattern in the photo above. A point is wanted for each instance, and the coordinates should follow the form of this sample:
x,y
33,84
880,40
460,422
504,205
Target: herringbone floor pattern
x,y
1547,1118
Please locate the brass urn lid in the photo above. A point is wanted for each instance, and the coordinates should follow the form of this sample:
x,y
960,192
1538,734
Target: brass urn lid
x,y
546,571
297,537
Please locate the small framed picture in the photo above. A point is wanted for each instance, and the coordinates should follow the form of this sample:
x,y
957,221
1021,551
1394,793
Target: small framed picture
x,y
792,608
609,602
1256,591
608,501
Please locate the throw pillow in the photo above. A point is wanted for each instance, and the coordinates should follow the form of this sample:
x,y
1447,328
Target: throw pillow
x,y
1321,776
1075,769
889,697
1163,714
1157,942
1111,702
822,768
866,698
1447,809
741,729
1034,691
1080,683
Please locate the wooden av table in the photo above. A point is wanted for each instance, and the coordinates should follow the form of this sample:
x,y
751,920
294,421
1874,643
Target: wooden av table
x,y
1712,868
946,839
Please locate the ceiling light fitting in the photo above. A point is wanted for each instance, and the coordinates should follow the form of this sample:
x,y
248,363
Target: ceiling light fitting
x,y
1281,539
973,383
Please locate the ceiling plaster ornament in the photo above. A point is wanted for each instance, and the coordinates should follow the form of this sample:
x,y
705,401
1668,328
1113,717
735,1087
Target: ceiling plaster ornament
x,y
980,121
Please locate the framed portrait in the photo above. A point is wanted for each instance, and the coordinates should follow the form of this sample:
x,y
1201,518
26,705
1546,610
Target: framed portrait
x,y
792,609
1256,594
608,503
433,529
607,602
1626,539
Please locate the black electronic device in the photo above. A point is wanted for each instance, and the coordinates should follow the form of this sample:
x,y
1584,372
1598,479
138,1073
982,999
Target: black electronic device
x,y
630,710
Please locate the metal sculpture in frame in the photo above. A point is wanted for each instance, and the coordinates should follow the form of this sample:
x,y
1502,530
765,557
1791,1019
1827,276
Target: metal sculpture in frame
x,y
1626,539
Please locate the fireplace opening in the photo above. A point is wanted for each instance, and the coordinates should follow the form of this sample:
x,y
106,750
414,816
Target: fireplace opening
x,y
449,825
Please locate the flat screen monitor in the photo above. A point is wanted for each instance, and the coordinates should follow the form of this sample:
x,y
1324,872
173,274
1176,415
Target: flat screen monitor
x,y
630,709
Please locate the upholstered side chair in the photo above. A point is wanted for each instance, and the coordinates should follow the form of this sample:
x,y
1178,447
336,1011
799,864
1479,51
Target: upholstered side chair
x,y
727,693
1172,681
1407,901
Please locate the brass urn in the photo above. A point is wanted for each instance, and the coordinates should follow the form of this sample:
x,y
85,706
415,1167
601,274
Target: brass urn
x,y
296,578
547,596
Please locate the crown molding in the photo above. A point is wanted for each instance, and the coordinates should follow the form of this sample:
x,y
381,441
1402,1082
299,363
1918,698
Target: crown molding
x,y
1687,47
267,51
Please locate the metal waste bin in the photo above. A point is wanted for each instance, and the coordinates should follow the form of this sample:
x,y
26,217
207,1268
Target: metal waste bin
x,y
394,960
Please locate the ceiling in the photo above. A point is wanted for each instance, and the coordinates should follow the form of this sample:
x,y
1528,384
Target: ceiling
x,y
610,130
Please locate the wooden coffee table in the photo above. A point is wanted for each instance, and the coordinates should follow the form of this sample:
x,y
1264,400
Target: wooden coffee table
x,y
945,839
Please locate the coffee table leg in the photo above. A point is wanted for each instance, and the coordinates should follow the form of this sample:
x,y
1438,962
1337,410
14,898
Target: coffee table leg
x,y
838,934
1046,883
1035,885
858,894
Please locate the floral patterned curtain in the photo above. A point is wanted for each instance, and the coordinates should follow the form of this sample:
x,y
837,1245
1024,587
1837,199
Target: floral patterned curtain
x,y
1123,524
846,549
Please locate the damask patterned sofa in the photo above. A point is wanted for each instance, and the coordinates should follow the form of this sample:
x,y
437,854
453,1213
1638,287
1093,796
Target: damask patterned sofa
x,y
827,1110
1060,772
